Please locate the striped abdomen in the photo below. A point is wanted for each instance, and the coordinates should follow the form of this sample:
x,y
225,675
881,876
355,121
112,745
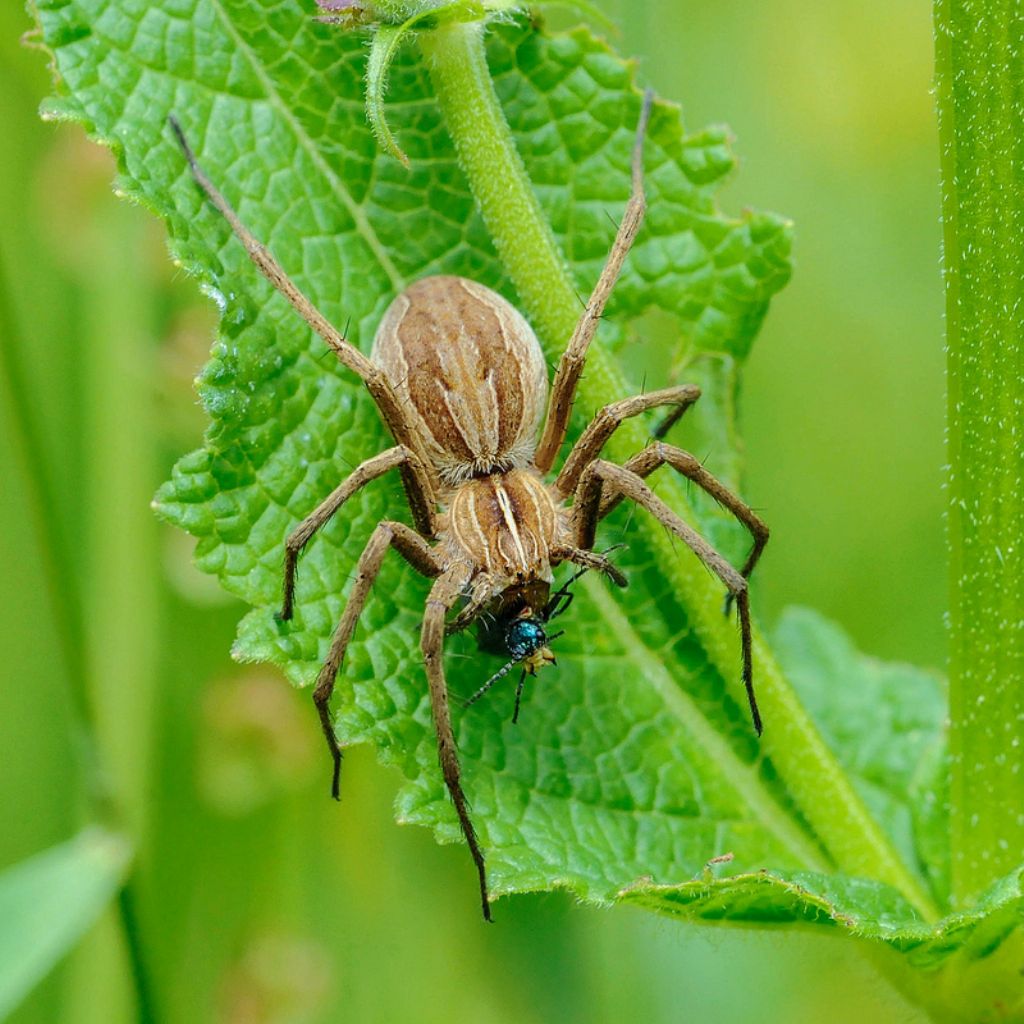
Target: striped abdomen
x,y
472,372
507,524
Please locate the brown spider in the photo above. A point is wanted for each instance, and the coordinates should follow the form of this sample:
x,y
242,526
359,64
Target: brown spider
x,y
460,381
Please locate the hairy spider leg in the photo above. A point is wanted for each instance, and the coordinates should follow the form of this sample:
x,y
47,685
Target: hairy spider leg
x,y
660,454
587,508
419,555
369,470
419,477
570,366
444,593
607,421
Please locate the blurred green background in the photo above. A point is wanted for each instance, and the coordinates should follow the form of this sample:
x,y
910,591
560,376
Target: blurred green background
x,y
261,902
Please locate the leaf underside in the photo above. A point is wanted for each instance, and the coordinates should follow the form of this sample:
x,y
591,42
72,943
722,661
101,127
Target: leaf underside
x,y
633,764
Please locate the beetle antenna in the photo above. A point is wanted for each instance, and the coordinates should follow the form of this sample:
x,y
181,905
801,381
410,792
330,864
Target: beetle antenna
x,y
519,695
503,671
555,605
559,602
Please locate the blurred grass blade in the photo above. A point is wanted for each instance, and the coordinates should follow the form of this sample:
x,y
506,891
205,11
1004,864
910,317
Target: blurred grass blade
x,y
48,902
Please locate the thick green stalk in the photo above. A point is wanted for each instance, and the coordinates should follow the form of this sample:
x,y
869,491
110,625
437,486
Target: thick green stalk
x,y
499,181
980,93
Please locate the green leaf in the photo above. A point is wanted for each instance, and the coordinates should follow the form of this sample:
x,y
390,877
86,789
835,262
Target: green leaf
x,y
48,902
885,724
634,763
851,906
489,157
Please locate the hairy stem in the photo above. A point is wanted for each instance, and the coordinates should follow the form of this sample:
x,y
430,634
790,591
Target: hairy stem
x,y
498,179
980,92
499,182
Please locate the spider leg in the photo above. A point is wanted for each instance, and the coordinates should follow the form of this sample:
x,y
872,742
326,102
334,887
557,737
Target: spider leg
x,y
660,454
607,421
359,478
443,595
570,367
588,559
627,484
421,476
418,554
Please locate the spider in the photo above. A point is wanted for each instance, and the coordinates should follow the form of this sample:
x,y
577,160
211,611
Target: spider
x,y
460,381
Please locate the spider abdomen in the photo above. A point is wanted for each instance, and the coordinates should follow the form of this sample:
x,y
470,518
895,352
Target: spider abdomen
x,y
506,523
471,371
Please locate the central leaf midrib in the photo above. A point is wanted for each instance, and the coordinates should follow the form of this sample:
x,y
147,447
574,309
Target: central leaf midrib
x,y
744,778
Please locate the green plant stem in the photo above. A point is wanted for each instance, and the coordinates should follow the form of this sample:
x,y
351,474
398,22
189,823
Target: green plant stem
x,y
496,174
499,182
980,92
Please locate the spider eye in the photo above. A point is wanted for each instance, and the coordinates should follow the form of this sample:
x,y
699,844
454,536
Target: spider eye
x,y
523,637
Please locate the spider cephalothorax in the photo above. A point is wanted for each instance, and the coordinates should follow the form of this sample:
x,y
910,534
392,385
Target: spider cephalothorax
x,y
459,379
